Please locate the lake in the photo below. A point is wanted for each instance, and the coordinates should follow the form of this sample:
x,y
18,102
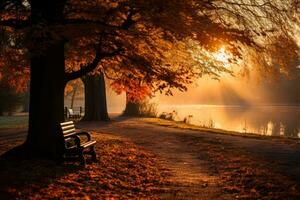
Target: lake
x,y
263,120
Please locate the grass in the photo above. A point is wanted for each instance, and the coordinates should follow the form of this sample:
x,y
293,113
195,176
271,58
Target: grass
x,y
8,122
182,125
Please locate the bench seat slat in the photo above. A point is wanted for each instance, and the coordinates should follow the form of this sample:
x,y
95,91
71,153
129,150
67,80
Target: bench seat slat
x,y
87,144
69,131
67,127
67,123
69,134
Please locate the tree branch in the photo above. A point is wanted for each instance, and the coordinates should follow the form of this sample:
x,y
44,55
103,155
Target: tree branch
x,y
126,24
85,69
89,21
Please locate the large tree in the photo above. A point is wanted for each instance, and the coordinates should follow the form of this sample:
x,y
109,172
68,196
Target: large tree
x,y
66,40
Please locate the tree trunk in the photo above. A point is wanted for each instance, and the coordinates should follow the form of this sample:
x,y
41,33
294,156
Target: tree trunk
x,y
47,83
47,102
95,98
132,109
73,96
142,108
26,101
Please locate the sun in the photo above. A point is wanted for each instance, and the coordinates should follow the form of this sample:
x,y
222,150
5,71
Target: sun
x,y
222,56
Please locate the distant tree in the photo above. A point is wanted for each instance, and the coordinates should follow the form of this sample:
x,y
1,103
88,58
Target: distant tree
x,y
9,99
73,89
14,78
279,59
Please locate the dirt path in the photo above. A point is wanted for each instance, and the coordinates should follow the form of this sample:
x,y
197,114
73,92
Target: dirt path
x,y
186,165
189,173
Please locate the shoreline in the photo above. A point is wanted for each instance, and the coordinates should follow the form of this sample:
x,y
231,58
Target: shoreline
x,y
182,125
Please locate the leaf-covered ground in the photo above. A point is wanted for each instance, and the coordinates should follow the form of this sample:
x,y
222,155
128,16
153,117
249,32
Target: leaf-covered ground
x,y
123,171
137,160
243,175
223,166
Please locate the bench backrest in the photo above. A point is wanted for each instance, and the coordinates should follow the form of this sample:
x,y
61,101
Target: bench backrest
x,y
68,128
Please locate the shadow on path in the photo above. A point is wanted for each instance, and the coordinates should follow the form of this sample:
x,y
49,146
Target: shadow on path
x,y
29,174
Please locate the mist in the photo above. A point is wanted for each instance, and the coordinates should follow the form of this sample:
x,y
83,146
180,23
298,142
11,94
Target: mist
x,y
237,91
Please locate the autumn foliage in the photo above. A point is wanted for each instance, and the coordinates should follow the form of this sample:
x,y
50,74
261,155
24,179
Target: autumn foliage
x,y
137,38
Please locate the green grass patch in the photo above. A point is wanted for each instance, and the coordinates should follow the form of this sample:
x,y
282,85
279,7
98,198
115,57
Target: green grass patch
x,y
7,122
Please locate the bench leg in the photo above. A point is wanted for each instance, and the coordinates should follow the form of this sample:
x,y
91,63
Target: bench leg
x,y
93,153
81,158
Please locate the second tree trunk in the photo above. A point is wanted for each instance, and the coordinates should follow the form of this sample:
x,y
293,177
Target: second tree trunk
x,y
95,98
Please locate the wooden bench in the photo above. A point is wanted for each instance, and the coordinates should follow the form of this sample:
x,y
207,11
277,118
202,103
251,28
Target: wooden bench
x,y
72,114
77,143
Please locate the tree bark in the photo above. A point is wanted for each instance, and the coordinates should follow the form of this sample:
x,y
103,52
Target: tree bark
x,y
26,102
47,84
47,102
73,96
132,109
95,98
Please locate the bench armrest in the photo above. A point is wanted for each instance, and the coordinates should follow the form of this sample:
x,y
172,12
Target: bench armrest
x,y
76,139
88,136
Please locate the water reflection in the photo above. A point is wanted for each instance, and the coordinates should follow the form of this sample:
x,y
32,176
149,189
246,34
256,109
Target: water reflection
x,y
264,120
